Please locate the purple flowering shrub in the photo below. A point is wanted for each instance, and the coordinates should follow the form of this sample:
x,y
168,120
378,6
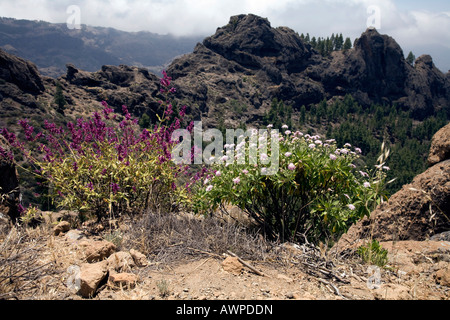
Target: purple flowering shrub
x,y
316,191
106,164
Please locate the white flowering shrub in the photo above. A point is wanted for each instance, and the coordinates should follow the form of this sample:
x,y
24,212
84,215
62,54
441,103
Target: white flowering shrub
x,y
316,191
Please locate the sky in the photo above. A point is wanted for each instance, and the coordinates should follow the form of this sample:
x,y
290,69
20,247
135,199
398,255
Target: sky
x,y
422,27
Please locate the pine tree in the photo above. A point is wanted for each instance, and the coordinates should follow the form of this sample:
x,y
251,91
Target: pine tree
x,y
307,38
347,44
59,99
411,58
303,114
339,42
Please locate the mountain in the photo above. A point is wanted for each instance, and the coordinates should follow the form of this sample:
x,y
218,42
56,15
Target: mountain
x,y
52,46
249,61
249,74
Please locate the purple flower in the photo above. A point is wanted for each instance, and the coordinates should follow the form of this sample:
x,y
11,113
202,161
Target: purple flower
x,y
115,188
169,111
333,157
209,188
236,180
75,166
182,112
366,185
28,129
291,166
351,207
21,209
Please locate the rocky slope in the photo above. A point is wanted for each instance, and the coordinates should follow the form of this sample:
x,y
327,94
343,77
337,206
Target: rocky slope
x,y
419,211
249,61
234,74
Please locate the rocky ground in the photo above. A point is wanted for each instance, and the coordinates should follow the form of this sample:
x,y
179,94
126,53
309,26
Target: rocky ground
x,y
55,263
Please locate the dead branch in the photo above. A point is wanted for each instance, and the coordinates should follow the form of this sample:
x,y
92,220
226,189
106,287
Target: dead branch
x,y
246,264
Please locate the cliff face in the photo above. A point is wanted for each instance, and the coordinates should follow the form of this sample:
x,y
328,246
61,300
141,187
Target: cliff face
x,y
276,63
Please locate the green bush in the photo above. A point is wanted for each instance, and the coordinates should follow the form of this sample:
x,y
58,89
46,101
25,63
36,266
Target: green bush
x,y
317,191
373,253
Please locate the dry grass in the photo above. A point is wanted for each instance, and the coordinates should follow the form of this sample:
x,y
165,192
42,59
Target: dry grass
x,y
23,269
172,238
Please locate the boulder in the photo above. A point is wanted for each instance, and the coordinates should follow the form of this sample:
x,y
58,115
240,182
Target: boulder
x,y
61,227
9,183
419,211
442,276
440,146
20,72
416,212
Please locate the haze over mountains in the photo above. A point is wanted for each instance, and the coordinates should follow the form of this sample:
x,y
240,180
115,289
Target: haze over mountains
x,y
51,46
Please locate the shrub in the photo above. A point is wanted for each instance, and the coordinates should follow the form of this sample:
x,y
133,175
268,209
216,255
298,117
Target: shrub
x,y
373,253
317,192
104,164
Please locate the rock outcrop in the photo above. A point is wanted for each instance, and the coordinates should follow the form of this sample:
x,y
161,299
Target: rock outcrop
x,y
21,73
440,146
418,211
9,183
249,61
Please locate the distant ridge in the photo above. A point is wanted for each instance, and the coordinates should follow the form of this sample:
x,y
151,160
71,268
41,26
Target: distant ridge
x,y
51,46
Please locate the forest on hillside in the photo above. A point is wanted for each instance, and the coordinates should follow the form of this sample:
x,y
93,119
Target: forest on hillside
x,y
346,121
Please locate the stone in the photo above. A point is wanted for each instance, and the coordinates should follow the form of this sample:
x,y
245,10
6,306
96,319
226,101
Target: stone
x,y
97,250
442,276
74,235
91,275
123,280
9,183
61,227
139,259
120,262
440,146
232,265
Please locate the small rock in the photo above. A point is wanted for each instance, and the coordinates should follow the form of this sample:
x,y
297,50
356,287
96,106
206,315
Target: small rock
x,y
124,280
232,265
97,250
442,276
74,235
91,275
290,295
120,262
61,227
139,258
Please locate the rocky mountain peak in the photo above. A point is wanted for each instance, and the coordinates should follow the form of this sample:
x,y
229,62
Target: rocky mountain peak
x,y
251,41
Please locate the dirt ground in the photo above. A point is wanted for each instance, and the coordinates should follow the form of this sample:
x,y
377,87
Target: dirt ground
x,y
415,271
